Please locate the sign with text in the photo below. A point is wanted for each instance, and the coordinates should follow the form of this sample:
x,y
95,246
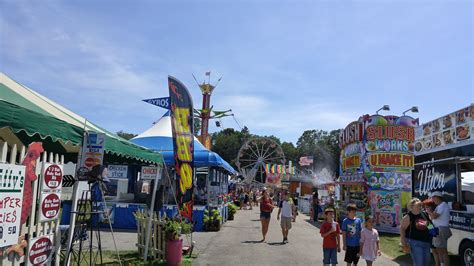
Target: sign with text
x,y
40,250
384,162
117,171
92,153
462,220
432,177
52,176
149,172
50,205
12,179
163,102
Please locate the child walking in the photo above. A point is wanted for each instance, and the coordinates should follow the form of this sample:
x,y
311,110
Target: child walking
x,y
351,228
331,240
369,242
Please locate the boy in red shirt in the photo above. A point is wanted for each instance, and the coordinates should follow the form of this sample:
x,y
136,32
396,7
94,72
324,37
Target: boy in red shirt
x,y
330,232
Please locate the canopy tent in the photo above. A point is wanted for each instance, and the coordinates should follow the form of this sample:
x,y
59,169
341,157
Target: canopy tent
x,y
29,114
160,138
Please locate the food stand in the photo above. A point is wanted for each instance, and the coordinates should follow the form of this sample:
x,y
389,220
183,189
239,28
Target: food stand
x,y
375,170
444,156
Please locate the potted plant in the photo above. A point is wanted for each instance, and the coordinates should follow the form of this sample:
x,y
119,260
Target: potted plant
x,y
174,244
232,211
212,220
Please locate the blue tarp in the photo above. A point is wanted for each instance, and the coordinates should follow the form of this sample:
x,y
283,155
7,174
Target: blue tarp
x,y
202,156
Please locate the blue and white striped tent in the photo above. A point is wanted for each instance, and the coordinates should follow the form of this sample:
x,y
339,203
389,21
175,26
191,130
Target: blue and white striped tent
x,y
160,138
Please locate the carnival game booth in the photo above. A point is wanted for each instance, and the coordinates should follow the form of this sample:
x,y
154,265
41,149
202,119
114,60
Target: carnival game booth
x,y
444,162
375,167
212,173
46,138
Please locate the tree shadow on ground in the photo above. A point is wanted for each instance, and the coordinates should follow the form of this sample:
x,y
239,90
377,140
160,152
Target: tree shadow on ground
x,y
317,225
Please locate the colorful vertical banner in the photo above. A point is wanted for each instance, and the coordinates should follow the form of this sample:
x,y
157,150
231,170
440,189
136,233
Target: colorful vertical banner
x,y
182,126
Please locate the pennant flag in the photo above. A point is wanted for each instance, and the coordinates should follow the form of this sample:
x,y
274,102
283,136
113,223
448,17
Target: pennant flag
x,y
267,168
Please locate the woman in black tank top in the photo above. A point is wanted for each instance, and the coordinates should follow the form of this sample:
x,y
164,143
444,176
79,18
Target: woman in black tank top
x,y
414,233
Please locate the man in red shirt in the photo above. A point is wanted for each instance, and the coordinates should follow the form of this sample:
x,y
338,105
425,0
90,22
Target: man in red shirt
x,y
330,232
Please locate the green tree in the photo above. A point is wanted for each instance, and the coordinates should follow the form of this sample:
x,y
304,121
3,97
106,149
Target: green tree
x,y
291,153
126,135
227,144
197,126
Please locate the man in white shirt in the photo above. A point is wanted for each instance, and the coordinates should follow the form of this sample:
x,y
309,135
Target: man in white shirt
x,y
440,218
287,215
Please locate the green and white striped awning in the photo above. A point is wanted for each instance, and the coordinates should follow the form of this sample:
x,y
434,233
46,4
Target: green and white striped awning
x,y
24,110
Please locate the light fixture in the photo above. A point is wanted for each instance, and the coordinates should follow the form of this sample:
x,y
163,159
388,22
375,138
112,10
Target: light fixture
x,y
414,109
385,108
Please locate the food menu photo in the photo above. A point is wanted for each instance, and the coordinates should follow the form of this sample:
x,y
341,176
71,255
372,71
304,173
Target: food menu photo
x,y
447,130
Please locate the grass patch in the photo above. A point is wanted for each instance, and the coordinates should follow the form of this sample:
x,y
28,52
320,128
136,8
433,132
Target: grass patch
x,y
390,245
131,258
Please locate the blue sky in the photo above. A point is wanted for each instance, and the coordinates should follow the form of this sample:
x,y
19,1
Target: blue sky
x,y
287,66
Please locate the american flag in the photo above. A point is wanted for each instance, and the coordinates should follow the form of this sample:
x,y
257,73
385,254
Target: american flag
x,y
306,160
208,73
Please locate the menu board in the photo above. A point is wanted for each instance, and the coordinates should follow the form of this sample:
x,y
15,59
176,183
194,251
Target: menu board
x,y
12,178
446,132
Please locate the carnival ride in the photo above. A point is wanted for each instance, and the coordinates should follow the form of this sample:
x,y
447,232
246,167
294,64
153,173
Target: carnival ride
x,y
254,155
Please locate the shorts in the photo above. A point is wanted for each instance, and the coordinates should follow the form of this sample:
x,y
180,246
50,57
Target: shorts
x,y
330,255
285,222
441,241
265,215
351,254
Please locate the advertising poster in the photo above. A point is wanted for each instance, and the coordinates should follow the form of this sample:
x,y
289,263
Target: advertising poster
x,y
117,171
92,153
446,132
50,205
183,144
40,250
390,181
462,220
12,179
431,177
386,208
52,177
148,172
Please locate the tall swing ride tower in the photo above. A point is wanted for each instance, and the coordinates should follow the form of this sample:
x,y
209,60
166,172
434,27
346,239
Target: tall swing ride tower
x,y
207,113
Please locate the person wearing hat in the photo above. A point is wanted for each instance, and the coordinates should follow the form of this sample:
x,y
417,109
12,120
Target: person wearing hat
x,y
440,218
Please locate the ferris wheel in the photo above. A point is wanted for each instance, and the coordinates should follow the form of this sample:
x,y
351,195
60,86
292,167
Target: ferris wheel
x,y
255,154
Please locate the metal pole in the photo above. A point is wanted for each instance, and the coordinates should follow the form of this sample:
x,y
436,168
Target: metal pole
x,y
150,218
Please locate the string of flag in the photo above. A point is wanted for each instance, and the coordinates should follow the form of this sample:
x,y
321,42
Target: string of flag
x,y
280,169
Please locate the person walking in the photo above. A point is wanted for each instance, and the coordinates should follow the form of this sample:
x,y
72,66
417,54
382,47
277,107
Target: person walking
x,y
414,233
242,198
330,232
440,218
369,242
351,228
255,202
287,214
315,207
266,208
246,200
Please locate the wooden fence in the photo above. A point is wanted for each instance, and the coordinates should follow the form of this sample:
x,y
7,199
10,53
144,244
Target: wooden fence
x,y
13,154
157,245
